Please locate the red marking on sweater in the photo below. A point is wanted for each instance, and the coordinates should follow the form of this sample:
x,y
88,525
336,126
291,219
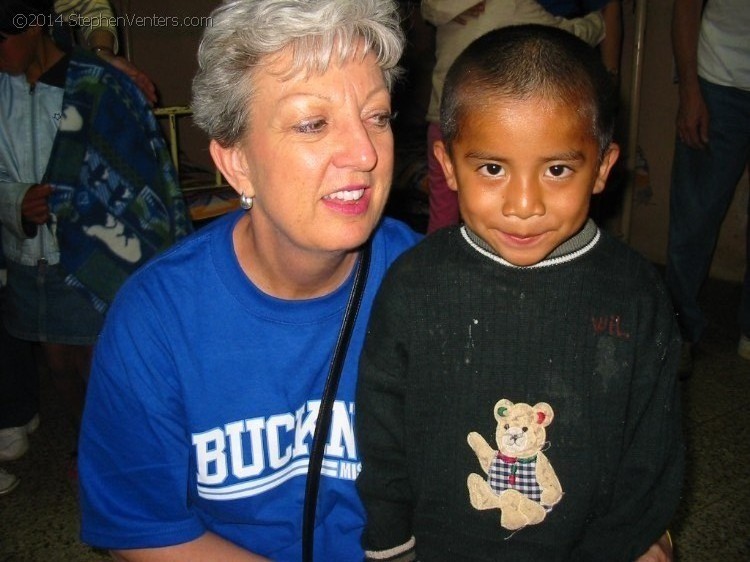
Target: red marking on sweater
x,y
611,325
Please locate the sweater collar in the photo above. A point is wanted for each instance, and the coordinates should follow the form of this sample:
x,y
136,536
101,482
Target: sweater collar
x,y
575,246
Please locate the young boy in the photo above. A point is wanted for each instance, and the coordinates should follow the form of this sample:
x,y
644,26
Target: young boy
x,y
457,23
517,397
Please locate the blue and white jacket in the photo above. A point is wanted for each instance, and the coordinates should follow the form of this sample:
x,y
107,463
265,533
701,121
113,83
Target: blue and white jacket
x,y
29,119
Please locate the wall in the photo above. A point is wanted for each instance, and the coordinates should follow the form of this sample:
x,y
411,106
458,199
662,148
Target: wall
x,y
161,38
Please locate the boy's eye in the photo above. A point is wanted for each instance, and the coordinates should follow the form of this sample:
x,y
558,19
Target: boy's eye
x,y
314,126
559,171
492,170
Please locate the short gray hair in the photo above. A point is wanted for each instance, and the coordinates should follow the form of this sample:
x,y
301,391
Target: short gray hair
x,y
243,32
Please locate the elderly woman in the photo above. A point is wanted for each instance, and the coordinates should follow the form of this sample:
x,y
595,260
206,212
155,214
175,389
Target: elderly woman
x,y
208,376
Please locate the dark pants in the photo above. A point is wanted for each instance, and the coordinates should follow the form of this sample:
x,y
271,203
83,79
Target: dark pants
x,y
703,185
19,380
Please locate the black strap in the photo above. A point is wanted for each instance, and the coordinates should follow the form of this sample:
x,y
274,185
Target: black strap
x,y
326,404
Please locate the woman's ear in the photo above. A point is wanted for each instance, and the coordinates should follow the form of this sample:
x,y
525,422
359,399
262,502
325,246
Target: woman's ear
x,y
442,156
232,163
611,154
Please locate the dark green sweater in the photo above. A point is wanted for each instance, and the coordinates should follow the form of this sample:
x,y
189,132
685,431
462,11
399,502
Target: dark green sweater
x,y
453,330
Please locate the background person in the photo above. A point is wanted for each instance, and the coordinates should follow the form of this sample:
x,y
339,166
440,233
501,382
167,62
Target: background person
x,y
208,374
19,400
100,36
459,22
88,192
712,149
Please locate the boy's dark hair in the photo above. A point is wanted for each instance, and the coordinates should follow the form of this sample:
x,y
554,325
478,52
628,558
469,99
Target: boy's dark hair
x,y
525,62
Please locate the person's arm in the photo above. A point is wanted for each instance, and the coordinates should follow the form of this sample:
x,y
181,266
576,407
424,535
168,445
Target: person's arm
x,y
92,16
611,45
692,114
101,42
207,548
590,28
133,456
101,37
440,12
383,483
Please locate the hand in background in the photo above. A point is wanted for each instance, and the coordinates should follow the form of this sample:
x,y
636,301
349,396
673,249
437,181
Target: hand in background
x,y
35,204
141,80
692,118
102,42
35,208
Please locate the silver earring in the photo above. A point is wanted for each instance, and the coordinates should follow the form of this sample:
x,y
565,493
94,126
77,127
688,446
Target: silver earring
x,y
246,202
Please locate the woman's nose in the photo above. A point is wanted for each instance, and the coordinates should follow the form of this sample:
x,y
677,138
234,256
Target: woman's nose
x,y
357,149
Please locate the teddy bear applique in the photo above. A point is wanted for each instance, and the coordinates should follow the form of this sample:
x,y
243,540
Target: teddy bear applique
x,y
520,480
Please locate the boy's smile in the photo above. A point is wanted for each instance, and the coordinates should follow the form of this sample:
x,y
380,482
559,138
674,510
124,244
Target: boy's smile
x,y
525,171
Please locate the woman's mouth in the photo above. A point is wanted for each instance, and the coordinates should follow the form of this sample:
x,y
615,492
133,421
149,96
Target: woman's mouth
x,y
348,201
346,195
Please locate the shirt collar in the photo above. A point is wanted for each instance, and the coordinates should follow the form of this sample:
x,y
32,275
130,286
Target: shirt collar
x,y
575,246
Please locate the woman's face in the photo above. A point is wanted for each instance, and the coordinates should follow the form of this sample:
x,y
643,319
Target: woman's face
x,y
318,155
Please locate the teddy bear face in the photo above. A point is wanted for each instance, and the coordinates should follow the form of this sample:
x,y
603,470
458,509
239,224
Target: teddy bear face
x,y
521,428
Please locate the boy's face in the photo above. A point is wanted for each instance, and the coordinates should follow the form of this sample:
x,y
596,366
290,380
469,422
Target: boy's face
x,y
525,172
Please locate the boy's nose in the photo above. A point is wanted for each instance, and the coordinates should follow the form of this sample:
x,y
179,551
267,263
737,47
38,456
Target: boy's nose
x,y
523,199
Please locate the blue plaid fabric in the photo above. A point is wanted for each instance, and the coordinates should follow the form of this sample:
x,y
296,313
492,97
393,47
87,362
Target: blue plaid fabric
x,y
116,196
518,474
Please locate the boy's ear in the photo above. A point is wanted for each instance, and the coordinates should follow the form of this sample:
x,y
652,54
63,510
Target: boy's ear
x,y
441,154
232,164
611,154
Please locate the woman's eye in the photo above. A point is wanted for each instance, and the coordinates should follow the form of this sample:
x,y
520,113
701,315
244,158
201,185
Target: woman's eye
x,y
492,169
383,120
559,171
314,126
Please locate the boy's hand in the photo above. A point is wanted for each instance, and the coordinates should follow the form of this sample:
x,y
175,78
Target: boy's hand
x,y
473,12
660,551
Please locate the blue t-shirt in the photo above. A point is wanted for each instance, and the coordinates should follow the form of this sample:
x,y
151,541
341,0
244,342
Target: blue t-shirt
x,y
202,404
572,8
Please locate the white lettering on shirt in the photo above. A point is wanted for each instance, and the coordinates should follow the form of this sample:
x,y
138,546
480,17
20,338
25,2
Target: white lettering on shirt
x,y
247,457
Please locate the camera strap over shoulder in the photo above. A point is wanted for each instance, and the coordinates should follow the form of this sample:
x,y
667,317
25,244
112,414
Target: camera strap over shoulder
x,y
325,412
